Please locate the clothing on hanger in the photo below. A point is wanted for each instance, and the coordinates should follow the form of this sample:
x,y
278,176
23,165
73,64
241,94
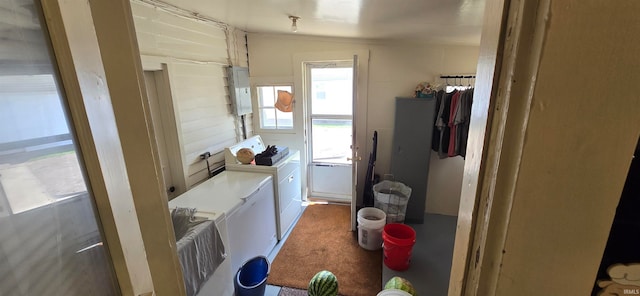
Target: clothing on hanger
x,y
451,151
443,124
435,139
451,126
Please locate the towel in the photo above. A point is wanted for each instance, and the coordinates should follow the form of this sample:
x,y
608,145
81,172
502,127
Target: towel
x,y
200,248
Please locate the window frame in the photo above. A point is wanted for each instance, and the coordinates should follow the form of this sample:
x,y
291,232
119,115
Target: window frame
x,y
258,123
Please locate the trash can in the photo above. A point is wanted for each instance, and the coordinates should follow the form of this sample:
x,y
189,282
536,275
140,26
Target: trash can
x,y
392,198
251,278
371,221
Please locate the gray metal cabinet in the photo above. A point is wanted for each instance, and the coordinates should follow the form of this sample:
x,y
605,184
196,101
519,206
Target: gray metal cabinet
x,y
412,135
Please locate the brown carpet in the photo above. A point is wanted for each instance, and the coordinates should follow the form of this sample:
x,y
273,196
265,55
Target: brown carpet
x,y
322,239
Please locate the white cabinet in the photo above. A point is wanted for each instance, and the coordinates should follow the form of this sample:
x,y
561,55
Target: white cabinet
x,y
221,282
252,227
286,180
242,205
289,196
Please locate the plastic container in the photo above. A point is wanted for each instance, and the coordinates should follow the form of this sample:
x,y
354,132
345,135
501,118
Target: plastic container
x,y
393,292
371,221
251,278
392,198
398,242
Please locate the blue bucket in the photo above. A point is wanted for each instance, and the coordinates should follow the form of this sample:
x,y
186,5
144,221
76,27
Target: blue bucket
x,y
251,278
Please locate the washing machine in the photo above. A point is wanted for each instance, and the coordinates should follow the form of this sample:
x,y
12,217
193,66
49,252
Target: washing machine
x,y
286,180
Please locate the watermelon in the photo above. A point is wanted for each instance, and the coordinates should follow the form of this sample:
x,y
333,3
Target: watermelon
x,y
324,283
399,283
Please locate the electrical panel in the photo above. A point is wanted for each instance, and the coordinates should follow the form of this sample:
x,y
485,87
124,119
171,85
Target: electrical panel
x,y
239,90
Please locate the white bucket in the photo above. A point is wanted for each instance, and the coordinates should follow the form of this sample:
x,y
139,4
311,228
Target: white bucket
x,y
393,292
371,222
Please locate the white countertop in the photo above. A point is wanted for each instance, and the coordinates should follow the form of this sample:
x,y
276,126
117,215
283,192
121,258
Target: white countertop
x,y
221,194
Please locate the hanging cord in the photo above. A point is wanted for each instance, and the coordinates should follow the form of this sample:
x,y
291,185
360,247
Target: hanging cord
x,y
244,127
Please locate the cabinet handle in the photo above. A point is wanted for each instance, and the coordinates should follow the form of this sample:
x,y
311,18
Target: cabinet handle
x,y
290,178
250,196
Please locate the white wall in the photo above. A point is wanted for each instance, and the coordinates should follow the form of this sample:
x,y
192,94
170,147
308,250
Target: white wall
x,y
196,54
394,70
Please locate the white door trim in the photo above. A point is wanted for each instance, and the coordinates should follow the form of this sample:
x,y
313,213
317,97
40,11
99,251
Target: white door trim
x,y
300,110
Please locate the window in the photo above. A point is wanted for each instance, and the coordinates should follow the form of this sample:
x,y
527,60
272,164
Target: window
x,y
270,117
331,111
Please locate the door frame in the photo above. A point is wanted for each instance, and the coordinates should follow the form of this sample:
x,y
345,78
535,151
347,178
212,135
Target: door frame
x,y
170,123
96,50
486,85
492,254
360,114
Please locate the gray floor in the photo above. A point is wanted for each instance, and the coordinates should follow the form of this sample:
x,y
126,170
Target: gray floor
x,y
431,256
430,260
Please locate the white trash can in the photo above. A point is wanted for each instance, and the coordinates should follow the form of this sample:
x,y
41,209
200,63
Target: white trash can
x,y
371,222
393,292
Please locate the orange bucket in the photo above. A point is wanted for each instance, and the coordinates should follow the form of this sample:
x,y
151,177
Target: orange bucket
x,y
398,240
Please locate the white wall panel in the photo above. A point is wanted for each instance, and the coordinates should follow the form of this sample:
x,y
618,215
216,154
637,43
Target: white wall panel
x,y
196,53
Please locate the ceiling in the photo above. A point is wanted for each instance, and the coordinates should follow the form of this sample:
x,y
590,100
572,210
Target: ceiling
x,y
431,21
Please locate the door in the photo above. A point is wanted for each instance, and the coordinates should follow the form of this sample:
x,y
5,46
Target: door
x,y
150,78
330,127
50,238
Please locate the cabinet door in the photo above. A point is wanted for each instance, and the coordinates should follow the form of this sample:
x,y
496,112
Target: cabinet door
x,y
252,227
289,203
411,151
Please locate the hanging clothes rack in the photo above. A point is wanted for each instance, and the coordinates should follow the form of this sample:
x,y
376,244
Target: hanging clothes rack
x,y
451,124
458,80
457,76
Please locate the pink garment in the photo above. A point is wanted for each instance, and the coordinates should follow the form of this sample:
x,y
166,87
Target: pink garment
x,y
452,115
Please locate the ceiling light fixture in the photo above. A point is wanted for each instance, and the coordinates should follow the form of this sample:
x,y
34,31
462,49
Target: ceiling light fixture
x,y
294,23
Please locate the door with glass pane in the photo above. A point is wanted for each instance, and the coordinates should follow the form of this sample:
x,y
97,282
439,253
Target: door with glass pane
x,y
50,239
330,128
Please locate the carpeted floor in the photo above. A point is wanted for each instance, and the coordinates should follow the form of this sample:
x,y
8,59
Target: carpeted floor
x,y
322,240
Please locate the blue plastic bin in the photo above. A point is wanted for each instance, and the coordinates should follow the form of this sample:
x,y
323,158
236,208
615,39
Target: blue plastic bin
x,y
251,278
